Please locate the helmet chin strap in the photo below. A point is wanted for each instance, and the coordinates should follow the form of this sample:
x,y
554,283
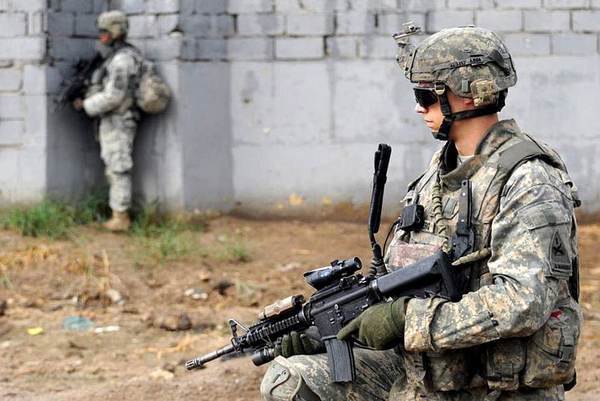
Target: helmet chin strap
x,y
444,132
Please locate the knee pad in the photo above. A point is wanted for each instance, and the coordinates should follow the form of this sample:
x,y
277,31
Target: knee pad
x,y
282,382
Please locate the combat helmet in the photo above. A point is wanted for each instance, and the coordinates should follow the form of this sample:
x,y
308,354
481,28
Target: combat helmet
x,y
114,22
473,62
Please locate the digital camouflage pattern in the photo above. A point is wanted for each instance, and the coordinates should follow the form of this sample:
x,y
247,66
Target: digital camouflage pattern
x,y
518,305
111,100
116,135
466,59
519,291
307,376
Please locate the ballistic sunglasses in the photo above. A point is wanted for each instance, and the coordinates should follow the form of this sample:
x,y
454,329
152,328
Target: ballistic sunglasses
x,y
425,96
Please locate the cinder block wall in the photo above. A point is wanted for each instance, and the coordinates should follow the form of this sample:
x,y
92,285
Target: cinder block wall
x,y
22,138
279,104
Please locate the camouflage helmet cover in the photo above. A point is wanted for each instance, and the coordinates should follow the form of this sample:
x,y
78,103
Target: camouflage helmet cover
x,y
472,62
115,22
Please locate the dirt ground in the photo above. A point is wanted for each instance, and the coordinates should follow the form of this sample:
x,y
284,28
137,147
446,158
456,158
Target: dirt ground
x,y
45,282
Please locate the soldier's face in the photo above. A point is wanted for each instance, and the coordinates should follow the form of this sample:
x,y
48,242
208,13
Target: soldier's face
x,y
432,114
105,37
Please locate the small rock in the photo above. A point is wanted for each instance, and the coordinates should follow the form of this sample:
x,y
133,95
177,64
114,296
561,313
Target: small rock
x,y
74,366
5,344
115,296
3,306
196,294
287,266
162,375
204,276
60,296
178,322
152,283
147,317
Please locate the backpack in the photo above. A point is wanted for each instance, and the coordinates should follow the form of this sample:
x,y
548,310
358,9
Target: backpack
x,y
151,92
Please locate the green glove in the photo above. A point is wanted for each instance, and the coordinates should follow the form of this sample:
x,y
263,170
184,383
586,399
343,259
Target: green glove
x,y
298,344
381,326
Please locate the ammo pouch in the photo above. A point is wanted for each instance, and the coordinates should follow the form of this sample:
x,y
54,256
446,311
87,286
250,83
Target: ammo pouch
x,y
551,350
504,361
432,371
545,359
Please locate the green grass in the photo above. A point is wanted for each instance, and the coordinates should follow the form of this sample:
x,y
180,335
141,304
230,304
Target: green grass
x,y
147,222
47,219
165,238
54,219
235,250
94,208
166,247
5,274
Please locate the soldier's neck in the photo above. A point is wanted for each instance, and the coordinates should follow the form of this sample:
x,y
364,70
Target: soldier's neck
x,y
466,134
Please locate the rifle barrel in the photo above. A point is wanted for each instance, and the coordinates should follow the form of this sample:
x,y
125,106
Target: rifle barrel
x,y
200,361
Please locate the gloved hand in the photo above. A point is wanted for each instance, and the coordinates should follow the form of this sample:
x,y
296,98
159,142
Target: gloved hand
x,y
298,344
381,326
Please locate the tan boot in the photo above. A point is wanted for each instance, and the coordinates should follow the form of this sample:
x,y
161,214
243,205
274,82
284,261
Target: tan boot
x,y
120,221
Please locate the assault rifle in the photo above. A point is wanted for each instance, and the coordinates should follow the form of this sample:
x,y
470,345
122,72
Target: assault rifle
x,y
75,85
341,295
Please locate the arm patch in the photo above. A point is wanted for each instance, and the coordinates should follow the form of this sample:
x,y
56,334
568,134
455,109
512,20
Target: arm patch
x,y
559,256
550,223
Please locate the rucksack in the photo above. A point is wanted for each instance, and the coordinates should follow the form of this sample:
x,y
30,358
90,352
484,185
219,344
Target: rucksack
x,y
151,92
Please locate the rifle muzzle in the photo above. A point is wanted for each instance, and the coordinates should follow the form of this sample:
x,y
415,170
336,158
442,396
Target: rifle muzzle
x,y
202,360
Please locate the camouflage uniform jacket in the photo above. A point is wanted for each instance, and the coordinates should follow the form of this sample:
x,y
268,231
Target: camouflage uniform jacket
x,y
515,292
114,91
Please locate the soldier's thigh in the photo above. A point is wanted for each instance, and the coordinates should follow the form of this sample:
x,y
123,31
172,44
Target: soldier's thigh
x,y
116,143
306,377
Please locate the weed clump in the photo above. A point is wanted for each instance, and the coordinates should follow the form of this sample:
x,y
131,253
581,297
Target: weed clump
x,y
234,250
54,219
164,237
48,219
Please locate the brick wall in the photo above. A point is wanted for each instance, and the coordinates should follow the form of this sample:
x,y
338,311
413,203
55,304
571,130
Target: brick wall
x,y
22,50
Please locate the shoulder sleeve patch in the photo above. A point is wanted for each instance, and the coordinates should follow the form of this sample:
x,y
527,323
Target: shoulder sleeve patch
x,y
559,256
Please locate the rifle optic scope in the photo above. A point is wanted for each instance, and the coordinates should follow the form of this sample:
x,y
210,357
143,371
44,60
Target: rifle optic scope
x,y
324,276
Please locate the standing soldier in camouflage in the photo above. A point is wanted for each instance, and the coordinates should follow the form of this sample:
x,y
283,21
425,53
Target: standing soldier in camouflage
x,y
111,99
501,204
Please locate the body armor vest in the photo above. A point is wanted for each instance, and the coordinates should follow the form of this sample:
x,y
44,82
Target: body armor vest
x,y
506,364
